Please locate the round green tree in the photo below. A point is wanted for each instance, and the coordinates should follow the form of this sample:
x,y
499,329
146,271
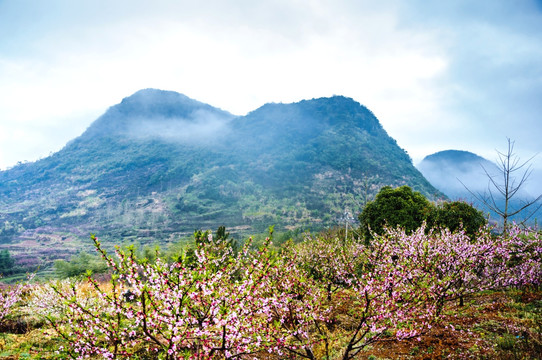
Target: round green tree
x,y
455,215
400,207
6,263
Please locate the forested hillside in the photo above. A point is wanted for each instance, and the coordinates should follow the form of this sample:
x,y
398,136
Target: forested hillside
x,y
159,165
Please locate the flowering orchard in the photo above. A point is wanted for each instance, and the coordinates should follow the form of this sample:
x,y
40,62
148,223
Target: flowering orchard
x,y
325,297
8,298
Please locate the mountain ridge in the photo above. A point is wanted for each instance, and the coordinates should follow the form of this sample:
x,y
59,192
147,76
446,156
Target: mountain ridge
x,y
294,165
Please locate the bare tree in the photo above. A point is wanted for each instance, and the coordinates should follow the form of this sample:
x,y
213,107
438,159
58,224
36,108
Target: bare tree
x,y
504,186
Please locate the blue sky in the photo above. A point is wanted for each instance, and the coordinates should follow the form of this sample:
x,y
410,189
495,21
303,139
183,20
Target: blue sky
x,y
438,74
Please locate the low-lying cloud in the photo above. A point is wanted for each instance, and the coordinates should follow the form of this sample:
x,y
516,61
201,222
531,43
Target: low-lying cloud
x,y
202,127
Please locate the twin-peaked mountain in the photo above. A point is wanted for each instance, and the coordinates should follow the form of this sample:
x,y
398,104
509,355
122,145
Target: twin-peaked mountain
x,y
160,164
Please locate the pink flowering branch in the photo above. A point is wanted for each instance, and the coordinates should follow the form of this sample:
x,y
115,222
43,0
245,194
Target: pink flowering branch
x,y
8,299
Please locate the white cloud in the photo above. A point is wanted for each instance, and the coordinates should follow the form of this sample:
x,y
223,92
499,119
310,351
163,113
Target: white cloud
x,y
438,75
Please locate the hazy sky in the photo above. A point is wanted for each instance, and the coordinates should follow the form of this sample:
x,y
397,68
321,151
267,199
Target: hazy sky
x,y
439,75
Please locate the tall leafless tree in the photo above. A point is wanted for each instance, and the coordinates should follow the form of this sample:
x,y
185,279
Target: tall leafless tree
x,y
504,186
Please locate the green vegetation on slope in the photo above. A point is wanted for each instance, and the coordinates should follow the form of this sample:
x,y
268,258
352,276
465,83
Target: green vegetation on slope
x,y
159,165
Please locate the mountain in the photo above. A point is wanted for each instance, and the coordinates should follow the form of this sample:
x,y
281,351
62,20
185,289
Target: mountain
x,y
462,175
159,165
453,171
